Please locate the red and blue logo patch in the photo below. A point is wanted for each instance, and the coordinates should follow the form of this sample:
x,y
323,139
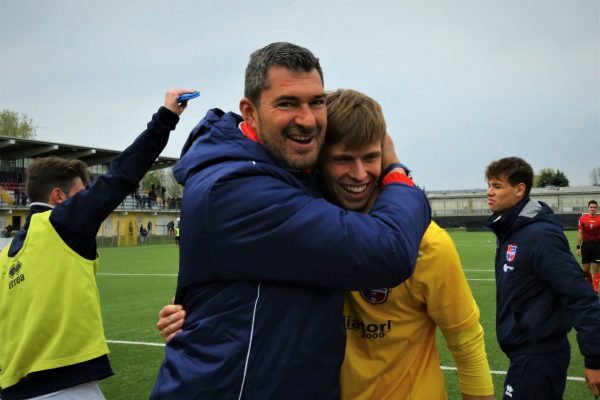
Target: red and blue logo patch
x,y
511,252
375,296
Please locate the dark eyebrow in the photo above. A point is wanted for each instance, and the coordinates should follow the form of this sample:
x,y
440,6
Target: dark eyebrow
x,y
285,98
294,98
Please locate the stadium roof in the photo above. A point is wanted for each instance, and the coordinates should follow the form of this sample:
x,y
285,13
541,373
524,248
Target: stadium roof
x,y
12,148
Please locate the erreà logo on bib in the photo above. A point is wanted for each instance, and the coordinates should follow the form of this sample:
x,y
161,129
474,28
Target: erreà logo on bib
x,y
15,275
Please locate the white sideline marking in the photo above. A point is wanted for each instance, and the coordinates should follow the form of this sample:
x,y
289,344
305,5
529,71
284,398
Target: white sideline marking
x,y
128,274
119,274
569,378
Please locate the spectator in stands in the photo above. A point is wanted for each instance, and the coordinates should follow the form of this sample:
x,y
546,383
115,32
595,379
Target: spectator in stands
x,y
151,198
138,199
17,196
143,234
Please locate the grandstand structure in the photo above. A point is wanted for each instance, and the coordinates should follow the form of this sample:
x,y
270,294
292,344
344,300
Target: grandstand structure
x,y
451,208
123,224
468,208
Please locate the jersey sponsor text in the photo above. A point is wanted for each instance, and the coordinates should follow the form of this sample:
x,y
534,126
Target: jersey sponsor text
x,y
369,331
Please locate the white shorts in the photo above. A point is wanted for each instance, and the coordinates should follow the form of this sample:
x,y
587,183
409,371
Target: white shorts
x,y
85,391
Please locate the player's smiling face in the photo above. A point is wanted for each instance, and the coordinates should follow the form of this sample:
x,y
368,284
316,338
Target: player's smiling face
x,y
291,118
350,175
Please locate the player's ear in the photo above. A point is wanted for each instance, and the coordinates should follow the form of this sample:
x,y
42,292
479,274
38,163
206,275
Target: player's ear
x,y
57,196
521,189
249,112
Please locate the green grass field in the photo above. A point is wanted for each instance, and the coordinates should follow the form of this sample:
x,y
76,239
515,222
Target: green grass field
x,y
136,282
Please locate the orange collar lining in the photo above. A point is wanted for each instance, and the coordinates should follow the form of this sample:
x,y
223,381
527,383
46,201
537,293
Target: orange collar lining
x,y
248,131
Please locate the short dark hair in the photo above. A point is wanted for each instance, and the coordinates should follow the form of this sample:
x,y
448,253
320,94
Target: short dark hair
x,y
287,55
353,118
514,169
47,173
593,202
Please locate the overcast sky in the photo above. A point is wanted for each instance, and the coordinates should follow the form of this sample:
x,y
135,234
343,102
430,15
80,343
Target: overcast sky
x,y
461,82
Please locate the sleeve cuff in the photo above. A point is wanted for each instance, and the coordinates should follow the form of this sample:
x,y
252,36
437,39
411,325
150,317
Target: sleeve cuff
x,y
396,177
393,166
167,116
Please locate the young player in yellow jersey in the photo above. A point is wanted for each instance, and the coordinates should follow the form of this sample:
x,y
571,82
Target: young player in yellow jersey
x,y
391,352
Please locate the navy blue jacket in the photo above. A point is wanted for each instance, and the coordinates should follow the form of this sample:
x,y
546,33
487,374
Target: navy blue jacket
x,y
77,221
263,265
541,290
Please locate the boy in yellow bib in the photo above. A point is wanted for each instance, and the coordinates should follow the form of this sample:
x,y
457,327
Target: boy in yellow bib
x,y
51,329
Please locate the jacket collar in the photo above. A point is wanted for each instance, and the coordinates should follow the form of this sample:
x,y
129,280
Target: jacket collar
x,y
248,131
500,223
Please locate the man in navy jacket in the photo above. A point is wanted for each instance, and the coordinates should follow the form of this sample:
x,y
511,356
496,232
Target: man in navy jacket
x,y
541,290
264,259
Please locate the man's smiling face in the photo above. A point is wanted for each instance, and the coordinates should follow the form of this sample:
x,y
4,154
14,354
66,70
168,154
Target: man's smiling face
x,y
291,117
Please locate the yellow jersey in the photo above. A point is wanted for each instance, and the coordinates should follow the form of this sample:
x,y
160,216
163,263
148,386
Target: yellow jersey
x,y
391,350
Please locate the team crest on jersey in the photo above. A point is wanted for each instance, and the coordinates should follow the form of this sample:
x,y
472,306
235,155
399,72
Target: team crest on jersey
x,y
511,252
375,296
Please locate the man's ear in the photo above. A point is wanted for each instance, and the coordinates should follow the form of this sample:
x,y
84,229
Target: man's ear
x,y
521,189
249,113
57,196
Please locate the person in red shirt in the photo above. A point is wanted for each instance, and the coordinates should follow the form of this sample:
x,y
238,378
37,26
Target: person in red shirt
x,y
588,243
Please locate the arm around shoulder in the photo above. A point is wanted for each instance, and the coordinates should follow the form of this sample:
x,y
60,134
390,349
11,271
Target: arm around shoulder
x,y
307,240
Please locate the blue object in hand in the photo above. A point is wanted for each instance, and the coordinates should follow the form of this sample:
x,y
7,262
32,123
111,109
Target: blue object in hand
x,y
187,96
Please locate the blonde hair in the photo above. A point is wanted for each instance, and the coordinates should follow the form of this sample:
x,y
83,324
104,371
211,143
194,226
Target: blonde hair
x,y
353,118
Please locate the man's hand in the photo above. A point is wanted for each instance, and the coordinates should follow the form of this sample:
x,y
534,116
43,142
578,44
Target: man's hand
x,y
171,100
578,252
592,378
170,321
388,155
